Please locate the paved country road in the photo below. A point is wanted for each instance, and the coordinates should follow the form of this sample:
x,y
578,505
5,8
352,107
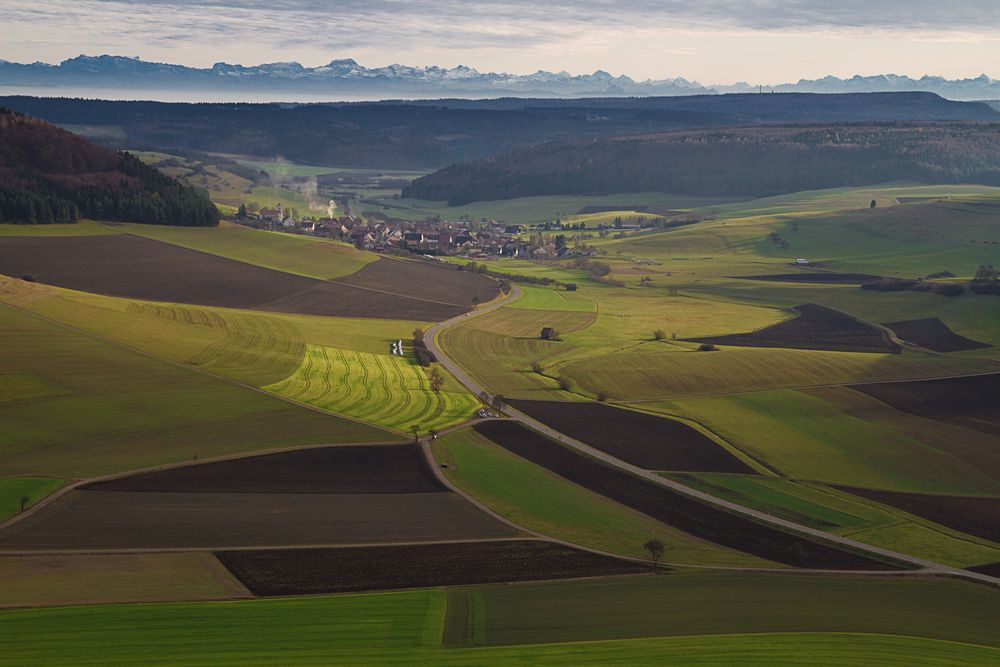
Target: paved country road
x,y
430,338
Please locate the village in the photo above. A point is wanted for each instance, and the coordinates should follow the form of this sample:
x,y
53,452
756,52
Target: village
x,y
481,239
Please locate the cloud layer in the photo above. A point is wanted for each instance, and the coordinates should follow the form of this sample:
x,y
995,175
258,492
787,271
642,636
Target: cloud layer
x,y
641,37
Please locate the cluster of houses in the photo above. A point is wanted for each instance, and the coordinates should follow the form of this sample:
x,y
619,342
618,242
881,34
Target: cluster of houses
x,y
379,233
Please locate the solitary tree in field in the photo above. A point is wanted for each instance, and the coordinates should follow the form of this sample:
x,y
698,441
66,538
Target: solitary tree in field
x,y
475,301
437,380
659,334
24,502
536,366
415,430
498,402
655,548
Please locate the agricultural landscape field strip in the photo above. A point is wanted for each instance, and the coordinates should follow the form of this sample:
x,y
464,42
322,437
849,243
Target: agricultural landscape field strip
x,y
336,469
315,496
135,267
307,256
431,281
309,571
831,437
539,500
665,371
976,516
690,603
972,402
387,390
933,334
401,628
122,410
115,520
681,511
815,328
840,513
80,579
81,228
651,442
14,490
245,345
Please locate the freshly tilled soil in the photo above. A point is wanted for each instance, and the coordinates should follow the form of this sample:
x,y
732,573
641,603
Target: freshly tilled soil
x,y
304,571
654,443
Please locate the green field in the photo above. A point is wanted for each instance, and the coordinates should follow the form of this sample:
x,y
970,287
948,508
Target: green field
x,y
122,410
390,391
13,489
722,603
82,228
538,210
539,500
607,350
804,437
56,579
308,256
898,621
821,507
346,369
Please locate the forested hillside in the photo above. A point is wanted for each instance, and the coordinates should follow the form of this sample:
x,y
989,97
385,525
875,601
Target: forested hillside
x,y
49,175
743,161
435,133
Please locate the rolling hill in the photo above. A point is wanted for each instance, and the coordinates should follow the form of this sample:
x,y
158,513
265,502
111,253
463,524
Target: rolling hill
x,y
49,175
742,161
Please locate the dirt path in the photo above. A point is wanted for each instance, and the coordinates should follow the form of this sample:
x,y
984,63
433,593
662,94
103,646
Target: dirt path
x,y
757,515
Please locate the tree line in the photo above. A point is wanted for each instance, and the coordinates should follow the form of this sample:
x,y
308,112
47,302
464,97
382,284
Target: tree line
x,y
738,162
49,175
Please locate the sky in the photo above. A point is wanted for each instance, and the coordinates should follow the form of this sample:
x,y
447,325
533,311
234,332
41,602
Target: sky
x,y
710,41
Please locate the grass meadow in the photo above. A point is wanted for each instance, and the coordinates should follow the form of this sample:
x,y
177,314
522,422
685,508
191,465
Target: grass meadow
x,y
118,409
751,619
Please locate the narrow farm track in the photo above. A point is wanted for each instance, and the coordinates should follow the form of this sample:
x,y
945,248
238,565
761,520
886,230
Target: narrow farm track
x,y
927,566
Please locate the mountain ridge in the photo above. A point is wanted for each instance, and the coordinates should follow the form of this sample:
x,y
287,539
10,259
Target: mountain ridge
x,y
346,75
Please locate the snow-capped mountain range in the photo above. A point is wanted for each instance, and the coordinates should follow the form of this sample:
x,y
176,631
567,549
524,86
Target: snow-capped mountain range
x,y
348,78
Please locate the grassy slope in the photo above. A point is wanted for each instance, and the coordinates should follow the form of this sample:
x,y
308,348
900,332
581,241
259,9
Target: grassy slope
x,y
536,210
108,578
406,628
269,350
12,489
302,255
804,437
124,410
841,513
249,346
537,499
82,228
391,391
722,603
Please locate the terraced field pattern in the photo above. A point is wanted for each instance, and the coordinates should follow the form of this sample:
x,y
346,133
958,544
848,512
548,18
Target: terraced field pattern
x,y
389,390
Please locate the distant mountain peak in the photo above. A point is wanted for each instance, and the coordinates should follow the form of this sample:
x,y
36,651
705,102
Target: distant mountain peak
x,y
347,76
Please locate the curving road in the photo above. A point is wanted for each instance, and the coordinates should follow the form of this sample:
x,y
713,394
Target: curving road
x,y
430,338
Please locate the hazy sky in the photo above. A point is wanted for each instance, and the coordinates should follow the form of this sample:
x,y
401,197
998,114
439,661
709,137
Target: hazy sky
x,y
712,41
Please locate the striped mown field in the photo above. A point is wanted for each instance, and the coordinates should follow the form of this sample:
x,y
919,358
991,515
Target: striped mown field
x,y
391,391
